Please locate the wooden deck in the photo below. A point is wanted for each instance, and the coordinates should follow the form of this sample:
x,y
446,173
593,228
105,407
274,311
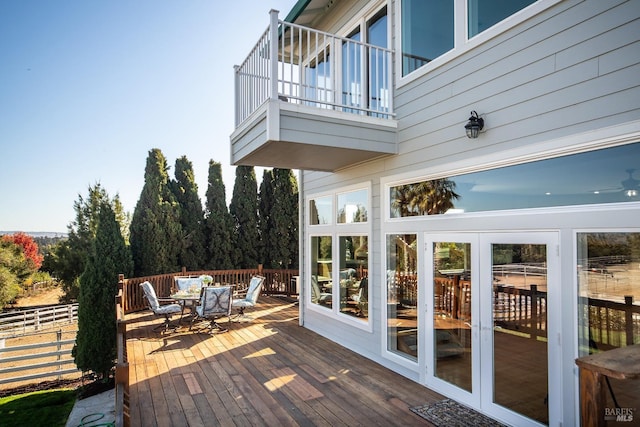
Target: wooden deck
x,y
266,372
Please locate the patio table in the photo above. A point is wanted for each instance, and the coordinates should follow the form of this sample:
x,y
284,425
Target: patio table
x,y
184,298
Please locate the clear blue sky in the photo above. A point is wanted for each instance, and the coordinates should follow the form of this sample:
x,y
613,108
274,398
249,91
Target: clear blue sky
x,y
88,87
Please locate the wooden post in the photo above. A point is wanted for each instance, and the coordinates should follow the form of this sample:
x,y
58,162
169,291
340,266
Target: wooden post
x,y
59,347
628,318
534,311
592,398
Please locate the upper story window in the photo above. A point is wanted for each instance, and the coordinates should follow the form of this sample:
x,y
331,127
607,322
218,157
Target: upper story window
x,y
483,14
431,28
427,32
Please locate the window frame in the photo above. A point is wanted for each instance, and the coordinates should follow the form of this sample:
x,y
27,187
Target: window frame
x,y
462,43
336,231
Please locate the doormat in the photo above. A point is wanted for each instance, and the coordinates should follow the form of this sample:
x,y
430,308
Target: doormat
x,y
450,413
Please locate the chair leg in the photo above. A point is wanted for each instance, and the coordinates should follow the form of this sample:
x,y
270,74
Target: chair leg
x,y
166,325
216,325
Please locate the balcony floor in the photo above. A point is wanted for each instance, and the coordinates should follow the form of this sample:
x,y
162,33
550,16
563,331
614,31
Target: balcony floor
x,y
269,371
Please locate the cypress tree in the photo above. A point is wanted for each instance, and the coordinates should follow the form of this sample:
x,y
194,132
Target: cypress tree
x,y
218,222
265,205
284,219
244,211
156,233
185,190
68,258
95,348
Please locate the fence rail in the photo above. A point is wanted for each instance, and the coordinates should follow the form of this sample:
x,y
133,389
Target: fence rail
x,y
19,322
61,356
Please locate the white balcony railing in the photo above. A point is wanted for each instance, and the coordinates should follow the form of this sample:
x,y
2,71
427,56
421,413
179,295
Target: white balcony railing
x,y
316,69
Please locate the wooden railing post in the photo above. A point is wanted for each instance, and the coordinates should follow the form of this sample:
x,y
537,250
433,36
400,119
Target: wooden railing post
x,y
628,319
534,311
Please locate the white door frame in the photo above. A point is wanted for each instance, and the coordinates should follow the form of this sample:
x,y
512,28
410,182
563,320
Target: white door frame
x,y
481,396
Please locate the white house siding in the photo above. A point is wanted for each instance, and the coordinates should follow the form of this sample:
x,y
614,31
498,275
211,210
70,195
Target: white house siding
x,y
568,71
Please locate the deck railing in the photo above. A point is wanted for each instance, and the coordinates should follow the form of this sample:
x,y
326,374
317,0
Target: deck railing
x,y
122,412
607,324
314,68
277,282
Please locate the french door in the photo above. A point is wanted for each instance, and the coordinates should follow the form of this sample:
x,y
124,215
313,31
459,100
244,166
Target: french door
x,y
489,319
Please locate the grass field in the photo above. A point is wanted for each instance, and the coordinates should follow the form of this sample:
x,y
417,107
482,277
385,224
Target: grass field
x,y
40,408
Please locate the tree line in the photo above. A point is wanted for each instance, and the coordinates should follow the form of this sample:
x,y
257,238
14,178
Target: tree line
x,y
171,228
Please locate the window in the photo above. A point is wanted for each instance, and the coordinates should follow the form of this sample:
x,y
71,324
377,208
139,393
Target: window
x,y
431,28
320,210
321,268
608,292
339,254
352,207
402,295
601,176
427,32
354,268
486,13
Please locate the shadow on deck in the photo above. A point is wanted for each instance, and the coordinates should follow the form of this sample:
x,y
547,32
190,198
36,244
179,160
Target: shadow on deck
x,y
269,371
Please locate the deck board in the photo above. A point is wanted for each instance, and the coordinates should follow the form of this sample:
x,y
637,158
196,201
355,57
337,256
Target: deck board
x,y
267,371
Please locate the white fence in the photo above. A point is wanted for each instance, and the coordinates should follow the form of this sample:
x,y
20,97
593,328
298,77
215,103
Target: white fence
x,y
19,322
24,363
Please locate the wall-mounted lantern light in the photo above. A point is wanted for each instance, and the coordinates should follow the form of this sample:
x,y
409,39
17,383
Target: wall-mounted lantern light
x,y
474,125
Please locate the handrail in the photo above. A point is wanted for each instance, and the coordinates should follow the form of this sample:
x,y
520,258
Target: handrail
x,y
314,68
122,413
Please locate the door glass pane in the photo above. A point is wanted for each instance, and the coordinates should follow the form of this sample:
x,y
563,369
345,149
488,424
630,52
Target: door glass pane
x,y
520,328
402,295
609,302
354,283
452,313
321,268
378,67
352,72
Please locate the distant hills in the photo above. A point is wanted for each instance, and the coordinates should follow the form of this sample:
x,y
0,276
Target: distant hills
x,y
37,233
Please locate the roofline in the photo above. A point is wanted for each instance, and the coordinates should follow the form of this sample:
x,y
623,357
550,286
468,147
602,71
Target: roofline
x,y
297,10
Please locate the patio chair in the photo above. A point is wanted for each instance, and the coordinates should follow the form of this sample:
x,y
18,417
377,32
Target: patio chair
x,y
317,296
154,303
192,285
215,302
362,298
251,297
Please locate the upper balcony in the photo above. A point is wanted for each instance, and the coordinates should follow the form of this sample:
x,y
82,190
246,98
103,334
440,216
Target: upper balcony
x,y
321,102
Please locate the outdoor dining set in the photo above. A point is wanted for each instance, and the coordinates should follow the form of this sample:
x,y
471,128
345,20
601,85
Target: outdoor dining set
x,y
206,302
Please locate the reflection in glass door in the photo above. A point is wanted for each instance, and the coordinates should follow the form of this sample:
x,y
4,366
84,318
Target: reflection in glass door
x,y
452,313
487,328
519,295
